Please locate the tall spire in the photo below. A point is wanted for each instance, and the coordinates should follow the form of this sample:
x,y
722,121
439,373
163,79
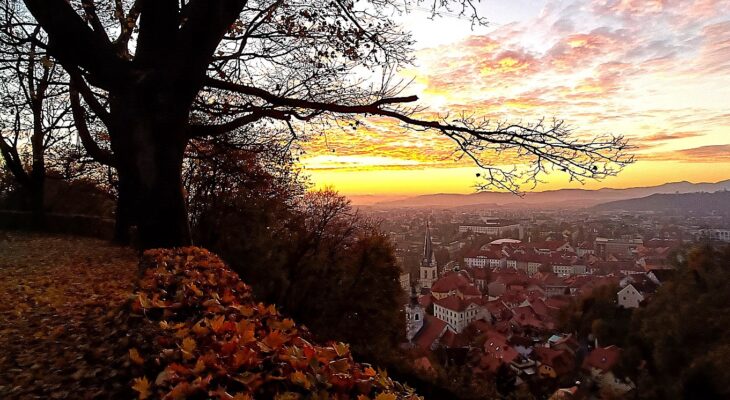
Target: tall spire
x,y
427,246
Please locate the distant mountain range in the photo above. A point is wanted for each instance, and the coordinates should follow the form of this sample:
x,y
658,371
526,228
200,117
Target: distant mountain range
x,y
696,202
551,199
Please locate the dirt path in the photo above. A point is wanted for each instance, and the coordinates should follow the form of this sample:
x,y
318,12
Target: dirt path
x,y
58,299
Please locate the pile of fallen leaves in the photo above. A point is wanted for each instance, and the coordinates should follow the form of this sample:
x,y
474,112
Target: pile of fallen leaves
x,y
215,341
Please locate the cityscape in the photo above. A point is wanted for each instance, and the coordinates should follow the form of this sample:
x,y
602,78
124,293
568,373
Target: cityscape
x,y
365,199
488,286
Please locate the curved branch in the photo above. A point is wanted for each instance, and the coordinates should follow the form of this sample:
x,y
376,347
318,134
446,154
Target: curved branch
x,y
103,156
537,145
199,131
79,84
73,42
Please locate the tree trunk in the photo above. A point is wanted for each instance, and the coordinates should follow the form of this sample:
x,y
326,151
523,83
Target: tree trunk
x,y
124,212
148,138
37,201
38,167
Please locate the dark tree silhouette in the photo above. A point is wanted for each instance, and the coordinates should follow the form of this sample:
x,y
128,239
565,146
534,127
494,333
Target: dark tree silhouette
x,y
35,117
161,73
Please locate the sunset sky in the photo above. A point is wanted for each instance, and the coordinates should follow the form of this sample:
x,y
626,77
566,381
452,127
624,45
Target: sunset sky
x,y
656,71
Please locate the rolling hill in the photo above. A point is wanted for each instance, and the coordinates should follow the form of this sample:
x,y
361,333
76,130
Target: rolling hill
x,y
688,202
563,198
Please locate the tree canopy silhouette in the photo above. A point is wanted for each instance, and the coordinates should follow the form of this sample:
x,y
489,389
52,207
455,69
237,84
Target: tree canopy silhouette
x,y
160,74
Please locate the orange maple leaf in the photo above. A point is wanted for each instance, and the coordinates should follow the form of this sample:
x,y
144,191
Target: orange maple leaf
x,y
247,331
274,339
142,386
188,345
245,356
300,378
217,323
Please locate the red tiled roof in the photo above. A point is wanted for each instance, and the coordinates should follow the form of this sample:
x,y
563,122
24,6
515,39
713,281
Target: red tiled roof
x,y
451,281
456,303
539,307
453,340
490,254
560,360
513,297
431,331
602,358
495,306
551,245
556,302
470,291
496,351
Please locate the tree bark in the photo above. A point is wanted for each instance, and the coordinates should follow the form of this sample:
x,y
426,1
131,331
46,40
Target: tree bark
x,y
148,138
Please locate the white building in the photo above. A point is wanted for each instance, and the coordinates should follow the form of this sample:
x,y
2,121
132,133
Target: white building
x,y
414,317
722,235
458,312
569,269
486,260
629,297
494,227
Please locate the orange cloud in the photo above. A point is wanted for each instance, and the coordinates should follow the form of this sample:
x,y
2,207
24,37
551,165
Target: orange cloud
x,y
719,153
655,71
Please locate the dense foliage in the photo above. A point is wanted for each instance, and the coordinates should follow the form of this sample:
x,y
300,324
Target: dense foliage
x,y
683,332
598,316
677,346
309,253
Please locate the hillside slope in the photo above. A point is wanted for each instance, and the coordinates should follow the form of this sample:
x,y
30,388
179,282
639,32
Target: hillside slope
x,y
687,202
77,321
562,198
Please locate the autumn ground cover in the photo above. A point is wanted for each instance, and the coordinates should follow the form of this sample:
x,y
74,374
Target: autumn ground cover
x,y
61,332
217,341
76,322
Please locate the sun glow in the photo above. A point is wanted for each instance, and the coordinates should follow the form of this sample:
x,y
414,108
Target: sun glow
x,y
625,70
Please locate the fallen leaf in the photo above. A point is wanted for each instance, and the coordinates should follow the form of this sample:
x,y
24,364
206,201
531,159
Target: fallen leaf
x,y
142,386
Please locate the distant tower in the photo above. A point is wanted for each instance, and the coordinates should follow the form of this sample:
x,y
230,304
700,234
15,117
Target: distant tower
x,y
429,272
414,316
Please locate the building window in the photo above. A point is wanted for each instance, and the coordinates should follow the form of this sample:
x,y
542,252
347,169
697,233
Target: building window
x,y
416,317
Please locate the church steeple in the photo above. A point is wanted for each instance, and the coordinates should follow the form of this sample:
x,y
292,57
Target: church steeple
x,y
428,268
428,256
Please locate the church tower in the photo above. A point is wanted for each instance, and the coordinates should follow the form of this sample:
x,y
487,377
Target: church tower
x,y
414,316
428,269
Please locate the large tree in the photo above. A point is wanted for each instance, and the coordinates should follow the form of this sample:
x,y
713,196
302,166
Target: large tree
x,y
160,73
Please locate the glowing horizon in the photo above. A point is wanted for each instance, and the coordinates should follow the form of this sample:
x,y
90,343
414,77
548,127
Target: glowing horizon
x,y
654,71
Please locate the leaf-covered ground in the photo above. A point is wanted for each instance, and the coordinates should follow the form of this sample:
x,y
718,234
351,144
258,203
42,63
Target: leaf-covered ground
x,y
61,335
77,323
